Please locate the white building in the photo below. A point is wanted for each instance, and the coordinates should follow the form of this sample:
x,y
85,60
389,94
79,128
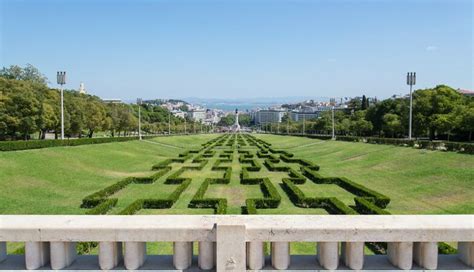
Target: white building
x,y
82,90
198,115
300,116
268,116
178,113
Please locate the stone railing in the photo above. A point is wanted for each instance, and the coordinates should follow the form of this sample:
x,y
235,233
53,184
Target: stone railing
x,y
230,242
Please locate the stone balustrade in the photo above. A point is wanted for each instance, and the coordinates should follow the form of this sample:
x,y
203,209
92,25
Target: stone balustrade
x,y
236,242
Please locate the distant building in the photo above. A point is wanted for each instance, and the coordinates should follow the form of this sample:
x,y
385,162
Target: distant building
x,y
300,116
82,90
198,115
268,116
112,101
466,92
178,113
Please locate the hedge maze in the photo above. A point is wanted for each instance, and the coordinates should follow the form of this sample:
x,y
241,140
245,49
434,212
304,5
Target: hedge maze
x,y
241,163
253,156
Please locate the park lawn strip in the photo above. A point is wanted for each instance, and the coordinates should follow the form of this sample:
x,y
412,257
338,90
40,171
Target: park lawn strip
x,y
417,181
54,180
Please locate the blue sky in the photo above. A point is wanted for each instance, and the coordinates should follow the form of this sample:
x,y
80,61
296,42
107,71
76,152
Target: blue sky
x,y
238,49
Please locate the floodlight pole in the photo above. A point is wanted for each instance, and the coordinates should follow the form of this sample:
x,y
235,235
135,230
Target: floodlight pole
x,y
287,122
303,124
139,102
169,123
61,79
333,126
411,80
185,124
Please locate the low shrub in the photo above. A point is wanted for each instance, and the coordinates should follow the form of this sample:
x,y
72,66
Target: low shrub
x,y
35,144
218,204
357,189
331,204
365,206
272,167
103,207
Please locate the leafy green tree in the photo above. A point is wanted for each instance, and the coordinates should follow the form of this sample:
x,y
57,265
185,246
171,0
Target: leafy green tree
x,y
392,124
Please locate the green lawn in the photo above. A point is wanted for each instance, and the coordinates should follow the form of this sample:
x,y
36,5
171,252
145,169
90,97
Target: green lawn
x,y
55,180
418,181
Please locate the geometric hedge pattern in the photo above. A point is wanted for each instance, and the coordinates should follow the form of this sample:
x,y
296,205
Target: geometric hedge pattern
x,y
252,154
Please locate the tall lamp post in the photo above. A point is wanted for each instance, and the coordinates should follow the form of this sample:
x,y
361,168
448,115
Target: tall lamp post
x,y
61,79
303,123
169,123
139,103
333,125
411,80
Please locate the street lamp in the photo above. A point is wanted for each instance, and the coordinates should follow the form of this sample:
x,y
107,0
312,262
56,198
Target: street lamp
x,y
169,123
303,123
333,126
411,80
139,103
61,79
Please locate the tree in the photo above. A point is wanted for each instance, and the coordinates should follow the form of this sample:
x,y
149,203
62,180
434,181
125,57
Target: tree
x,y
392,124
364,103
467,120
29,73
95,117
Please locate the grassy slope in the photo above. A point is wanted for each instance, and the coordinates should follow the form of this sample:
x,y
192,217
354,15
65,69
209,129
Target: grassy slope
x,y
418,181
54,180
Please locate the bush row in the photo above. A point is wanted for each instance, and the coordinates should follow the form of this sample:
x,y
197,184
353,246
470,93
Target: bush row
x,y
165,203
331,204
254,165
271,166
467,148
103,207
271,198
98,197
302,162
225,179
357,189
35,144
199,202
365,206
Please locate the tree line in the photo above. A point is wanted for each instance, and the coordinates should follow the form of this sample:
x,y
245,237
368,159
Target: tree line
x,y
438,113
30,109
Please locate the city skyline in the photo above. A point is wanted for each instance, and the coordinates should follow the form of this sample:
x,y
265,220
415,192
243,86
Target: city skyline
x,y
209,49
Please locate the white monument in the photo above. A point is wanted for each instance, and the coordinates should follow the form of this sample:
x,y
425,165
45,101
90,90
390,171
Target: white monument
x,y
82,90
236,126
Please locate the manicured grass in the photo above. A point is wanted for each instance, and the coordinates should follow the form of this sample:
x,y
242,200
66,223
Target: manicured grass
x,y
55,180
418,181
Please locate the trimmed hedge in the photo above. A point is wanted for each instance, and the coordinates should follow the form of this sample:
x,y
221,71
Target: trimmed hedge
x,y
331,204
359,190
35,144
461,147
365,206
103,207
98,197
199,202
271,167
165,203
271,198
302,162
225,179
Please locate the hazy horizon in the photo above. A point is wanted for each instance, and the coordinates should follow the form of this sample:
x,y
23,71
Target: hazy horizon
x,y
242,49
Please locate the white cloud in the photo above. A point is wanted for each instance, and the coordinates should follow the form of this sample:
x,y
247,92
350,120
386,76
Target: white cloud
x,y
431,48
